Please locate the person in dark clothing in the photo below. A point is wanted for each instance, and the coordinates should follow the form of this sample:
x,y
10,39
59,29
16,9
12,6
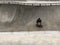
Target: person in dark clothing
x,y
39,23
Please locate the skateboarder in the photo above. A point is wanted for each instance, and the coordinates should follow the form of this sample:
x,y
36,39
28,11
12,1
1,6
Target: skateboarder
x,y
39,23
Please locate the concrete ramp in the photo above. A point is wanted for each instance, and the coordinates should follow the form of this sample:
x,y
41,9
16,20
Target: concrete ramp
x,y
23,18
7,13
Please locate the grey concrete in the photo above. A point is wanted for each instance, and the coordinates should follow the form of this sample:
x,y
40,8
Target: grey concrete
x,y
7,13
43,0
23,18
12,0
29,0
30,38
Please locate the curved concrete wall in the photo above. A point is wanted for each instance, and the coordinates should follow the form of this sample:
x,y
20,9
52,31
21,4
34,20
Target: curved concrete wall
x,y
19,15
29,13
27,16
7,13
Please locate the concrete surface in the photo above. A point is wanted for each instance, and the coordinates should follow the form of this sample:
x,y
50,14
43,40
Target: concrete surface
x,y
29,0
43,0
23,18
12,0
30,38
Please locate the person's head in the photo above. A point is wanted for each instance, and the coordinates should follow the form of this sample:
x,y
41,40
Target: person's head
x,y
38,18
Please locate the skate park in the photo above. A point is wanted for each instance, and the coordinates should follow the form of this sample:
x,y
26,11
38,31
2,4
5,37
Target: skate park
x,y
23,18
15,17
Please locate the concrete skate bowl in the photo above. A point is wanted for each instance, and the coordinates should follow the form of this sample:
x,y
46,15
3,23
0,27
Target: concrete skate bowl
x,y
23,18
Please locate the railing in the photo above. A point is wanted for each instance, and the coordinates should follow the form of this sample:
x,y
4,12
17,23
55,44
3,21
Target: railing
x,y
34,3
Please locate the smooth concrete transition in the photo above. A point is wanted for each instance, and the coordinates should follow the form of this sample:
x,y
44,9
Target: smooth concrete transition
x,y
23,18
